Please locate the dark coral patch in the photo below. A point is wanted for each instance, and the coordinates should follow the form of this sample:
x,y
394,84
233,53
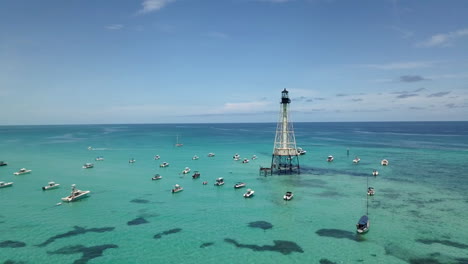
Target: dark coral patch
x,y
424,261
168,232
9,261
140,201
326,261
207,244
443,242
88,253
77,231
137,221
281,246
261,224
12,244
338,233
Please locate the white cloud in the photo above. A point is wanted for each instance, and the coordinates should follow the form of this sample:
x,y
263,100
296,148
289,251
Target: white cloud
x,y
444,39
276,1
114,27
401,65
153,5
245,107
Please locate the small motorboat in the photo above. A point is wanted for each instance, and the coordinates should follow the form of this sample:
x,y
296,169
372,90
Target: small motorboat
x,y
196,175
186,170
375,173
50,185
249,193
88,166
75,195
245,161
157,157
100,158
363,224
156,177
254,157
239,185
205,183
288,196
2,163
5,184
384,162
330,158
164,164
22,171
300,151
356,160
195,157
132,160
236,157
370,191
177,188
90,148
211,154
219,182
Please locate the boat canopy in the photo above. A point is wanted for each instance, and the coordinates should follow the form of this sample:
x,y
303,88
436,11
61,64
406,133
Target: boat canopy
x,y
363,220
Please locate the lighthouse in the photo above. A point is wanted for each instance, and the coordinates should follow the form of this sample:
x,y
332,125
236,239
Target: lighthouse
x,y
285,158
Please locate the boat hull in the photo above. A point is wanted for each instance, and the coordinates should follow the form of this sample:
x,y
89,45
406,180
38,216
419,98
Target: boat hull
x,y
70,199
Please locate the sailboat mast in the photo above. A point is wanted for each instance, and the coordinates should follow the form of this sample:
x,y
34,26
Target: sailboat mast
x,y
367,197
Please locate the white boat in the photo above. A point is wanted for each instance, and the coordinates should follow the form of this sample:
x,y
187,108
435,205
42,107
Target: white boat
x,y
157,157
50,185
254,157
356,160
370,191
211,154
5,184
132,160
156,177
245,161
186,170
236,157
75,195
88,166
239,185
363,224
300,151
288,196
177,188
195,157
219,182
249,193
164,164
100,158
375,173
384,162
22,171
2,163
330,158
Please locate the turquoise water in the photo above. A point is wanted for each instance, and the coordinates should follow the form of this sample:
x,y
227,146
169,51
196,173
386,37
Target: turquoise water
x,y
418,214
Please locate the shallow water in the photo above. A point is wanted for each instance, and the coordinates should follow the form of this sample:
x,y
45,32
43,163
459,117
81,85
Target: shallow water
x,y
418,214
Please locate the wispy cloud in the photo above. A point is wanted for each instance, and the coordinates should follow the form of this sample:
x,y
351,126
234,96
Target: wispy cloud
x,y
444,39
411,78
149,6
439,94
404,33
400,65
245,106
217,35
406,95
114,27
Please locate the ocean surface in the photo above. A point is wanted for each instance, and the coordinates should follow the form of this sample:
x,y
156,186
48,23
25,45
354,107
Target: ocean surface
x,y
419,213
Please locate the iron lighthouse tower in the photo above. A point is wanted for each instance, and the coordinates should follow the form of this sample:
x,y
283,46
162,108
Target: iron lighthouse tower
x,y
285,158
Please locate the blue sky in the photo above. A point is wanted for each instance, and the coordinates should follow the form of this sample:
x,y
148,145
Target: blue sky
x,y
191,61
